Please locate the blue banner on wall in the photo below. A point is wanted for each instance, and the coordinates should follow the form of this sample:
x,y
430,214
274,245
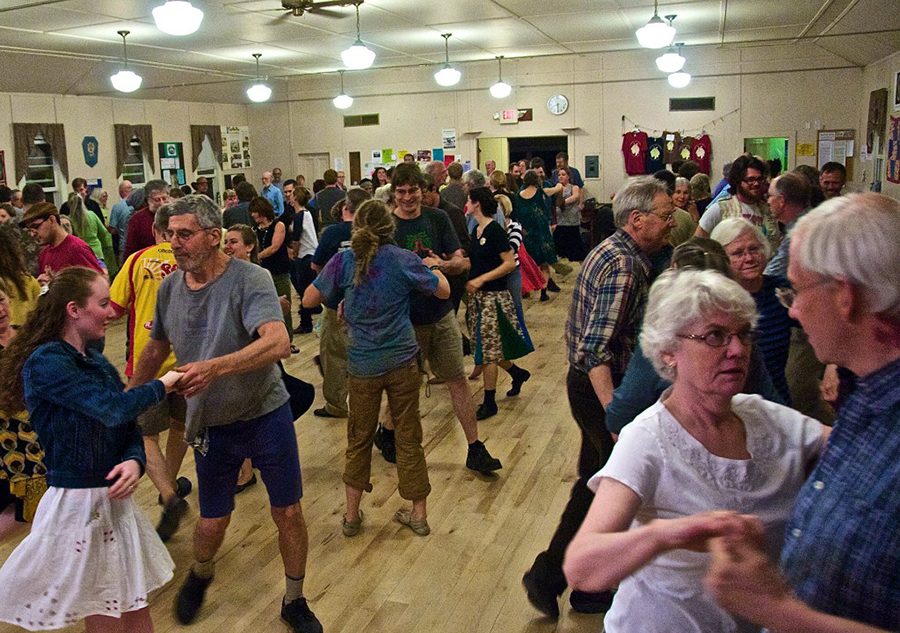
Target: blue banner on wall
x,y
90,147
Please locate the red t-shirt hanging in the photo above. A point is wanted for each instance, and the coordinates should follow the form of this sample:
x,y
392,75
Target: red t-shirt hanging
x,y
701,153
634,149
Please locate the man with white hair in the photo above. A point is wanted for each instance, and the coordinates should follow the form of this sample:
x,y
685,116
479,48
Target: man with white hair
x,y
119,216
601,332
841,557
272,193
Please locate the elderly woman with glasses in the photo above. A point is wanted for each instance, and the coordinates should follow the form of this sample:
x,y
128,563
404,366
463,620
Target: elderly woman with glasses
x,y
684,470
748,252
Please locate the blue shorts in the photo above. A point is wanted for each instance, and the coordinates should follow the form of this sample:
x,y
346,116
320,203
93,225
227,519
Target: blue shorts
x,y
270,441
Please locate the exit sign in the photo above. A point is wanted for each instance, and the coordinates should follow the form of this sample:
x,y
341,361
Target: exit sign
x,y
510,115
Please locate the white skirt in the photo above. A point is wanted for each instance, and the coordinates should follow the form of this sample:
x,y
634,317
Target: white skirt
x,y
86,555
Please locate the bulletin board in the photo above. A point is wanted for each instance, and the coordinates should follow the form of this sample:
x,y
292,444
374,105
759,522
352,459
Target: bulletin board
x,y
837,146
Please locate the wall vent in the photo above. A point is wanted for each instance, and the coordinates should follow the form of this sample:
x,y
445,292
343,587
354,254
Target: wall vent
x,y
360,120
689,104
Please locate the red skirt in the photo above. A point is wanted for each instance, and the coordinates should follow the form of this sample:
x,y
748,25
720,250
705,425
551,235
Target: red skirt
x,y
532,277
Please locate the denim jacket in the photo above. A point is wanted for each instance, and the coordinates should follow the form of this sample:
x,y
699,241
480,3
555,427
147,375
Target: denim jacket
x,y
84,418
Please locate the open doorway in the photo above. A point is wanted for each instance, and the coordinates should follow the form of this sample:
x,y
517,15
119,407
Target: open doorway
x,y
769,148
504,151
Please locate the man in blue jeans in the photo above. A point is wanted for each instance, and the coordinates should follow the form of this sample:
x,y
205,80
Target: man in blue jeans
x,y
223,320
601,332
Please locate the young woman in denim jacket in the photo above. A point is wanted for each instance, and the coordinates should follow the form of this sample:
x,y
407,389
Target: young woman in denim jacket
x,y
91,554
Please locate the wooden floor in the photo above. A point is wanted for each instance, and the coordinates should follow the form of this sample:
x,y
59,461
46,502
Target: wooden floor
x,y
464,577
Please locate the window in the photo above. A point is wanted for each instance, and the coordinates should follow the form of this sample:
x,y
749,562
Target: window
x,y
41,168
134,168
691,104
360,120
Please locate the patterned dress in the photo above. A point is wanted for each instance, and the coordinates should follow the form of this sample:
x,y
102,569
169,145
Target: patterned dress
x,y
534,217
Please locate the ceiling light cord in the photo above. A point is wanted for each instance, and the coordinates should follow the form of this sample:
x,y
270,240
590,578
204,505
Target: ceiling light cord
x,y
124,46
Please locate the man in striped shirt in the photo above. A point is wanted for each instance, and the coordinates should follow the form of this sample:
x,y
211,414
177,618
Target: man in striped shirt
x,y
601,332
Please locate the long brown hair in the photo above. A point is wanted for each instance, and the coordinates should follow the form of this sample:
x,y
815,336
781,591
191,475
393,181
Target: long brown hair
x,y
12,263
44,324
373,227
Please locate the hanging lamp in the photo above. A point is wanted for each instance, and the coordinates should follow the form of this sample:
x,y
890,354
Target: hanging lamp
x,y
343,100
125,80
177,17
259,91
680,79
501,89
656,33
358,56
447,75
671,61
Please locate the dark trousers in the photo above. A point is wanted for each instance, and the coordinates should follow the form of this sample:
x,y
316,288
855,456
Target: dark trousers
x,y
302,275
596,446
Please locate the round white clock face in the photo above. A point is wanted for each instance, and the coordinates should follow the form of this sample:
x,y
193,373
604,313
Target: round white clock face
x,y
558,104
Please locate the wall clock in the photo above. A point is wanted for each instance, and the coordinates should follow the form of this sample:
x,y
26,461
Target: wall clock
x,y
558,104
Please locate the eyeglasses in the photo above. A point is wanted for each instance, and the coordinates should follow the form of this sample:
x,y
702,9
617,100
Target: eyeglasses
x,y
668,217
722,338
183,235
753,179
34,226
752,251
787,296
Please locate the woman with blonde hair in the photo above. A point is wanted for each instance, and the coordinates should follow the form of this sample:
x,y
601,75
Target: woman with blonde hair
x,y
375,278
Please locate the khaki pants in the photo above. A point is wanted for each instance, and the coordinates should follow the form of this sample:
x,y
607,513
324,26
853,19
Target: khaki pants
x,y
804,372
333,356
402,387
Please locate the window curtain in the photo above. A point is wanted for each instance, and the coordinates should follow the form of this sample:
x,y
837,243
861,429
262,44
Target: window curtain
x,y
123,135
23,139
198,132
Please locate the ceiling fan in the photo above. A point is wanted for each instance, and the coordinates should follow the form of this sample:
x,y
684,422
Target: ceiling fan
x,y
296,8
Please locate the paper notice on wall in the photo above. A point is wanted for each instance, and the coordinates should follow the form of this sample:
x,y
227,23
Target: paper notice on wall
x,y
376,156
437,153
387,155
448,138
449,158
806,149
423,155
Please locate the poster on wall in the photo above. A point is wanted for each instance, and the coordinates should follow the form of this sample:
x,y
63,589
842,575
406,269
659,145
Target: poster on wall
x,y
2,167
90,149
235,147
893,151
423,155
875,125
448,138
897,91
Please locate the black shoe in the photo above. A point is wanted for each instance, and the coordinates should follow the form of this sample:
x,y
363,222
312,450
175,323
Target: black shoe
x,y
541,598
384,441
239,488
544,295
299,617
486,411
323,413
551,286
190,597
480,460
183,487
171,519
518,379
303,329
584,602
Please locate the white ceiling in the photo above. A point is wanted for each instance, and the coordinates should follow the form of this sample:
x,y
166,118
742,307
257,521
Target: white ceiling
x,y
71,46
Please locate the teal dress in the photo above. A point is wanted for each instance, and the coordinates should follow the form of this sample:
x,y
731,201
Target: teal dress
x,y
534,217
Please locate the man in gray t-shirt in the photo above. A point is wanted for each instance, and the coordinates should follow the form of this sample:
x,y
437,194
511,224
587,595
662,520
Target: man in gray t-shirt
x,y
224,322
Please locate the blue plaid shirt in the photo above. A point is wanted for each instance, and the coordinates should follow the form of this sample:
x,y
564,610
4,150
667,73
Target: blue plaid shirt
x,y
608,305
842,547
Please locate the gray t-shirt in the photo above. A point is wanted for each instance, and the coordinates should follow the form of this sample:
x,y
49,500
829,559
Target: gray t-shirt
x,y
219,319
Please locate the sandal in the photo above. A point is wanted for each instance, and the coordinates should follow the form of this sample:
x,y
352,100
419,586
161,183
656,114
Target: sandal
x,y
403,516
351,528
295,349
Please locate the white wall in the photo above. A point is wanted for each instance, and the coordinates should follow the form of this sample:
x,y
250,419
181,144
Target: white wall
x,y
763,91
878,75
95,116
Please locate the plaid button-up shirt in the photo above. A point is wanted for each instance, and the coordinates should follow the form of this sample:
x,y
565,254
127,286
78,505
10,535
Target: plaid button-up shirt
x,y
608,305
842,547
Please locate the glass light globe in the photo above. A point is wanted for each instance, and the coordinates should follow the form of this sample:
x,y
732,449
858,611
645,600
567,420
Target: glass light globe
x,y
656,33
358,56
447,76
259,92
500,90
126,81
177,17
679,80
342,101
670,62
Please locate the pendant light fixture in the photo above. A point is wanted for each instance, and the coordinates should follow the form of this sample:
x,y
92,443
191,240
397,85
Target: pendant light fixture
x,y
656,33
177,17
680,79
501,89
358,56
125,80
671,61
259,91
447,75
343,100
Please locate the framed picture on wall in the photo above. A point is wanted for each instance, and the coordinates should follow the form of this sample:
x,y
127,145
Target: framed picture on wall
x,y
2,167
897,91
